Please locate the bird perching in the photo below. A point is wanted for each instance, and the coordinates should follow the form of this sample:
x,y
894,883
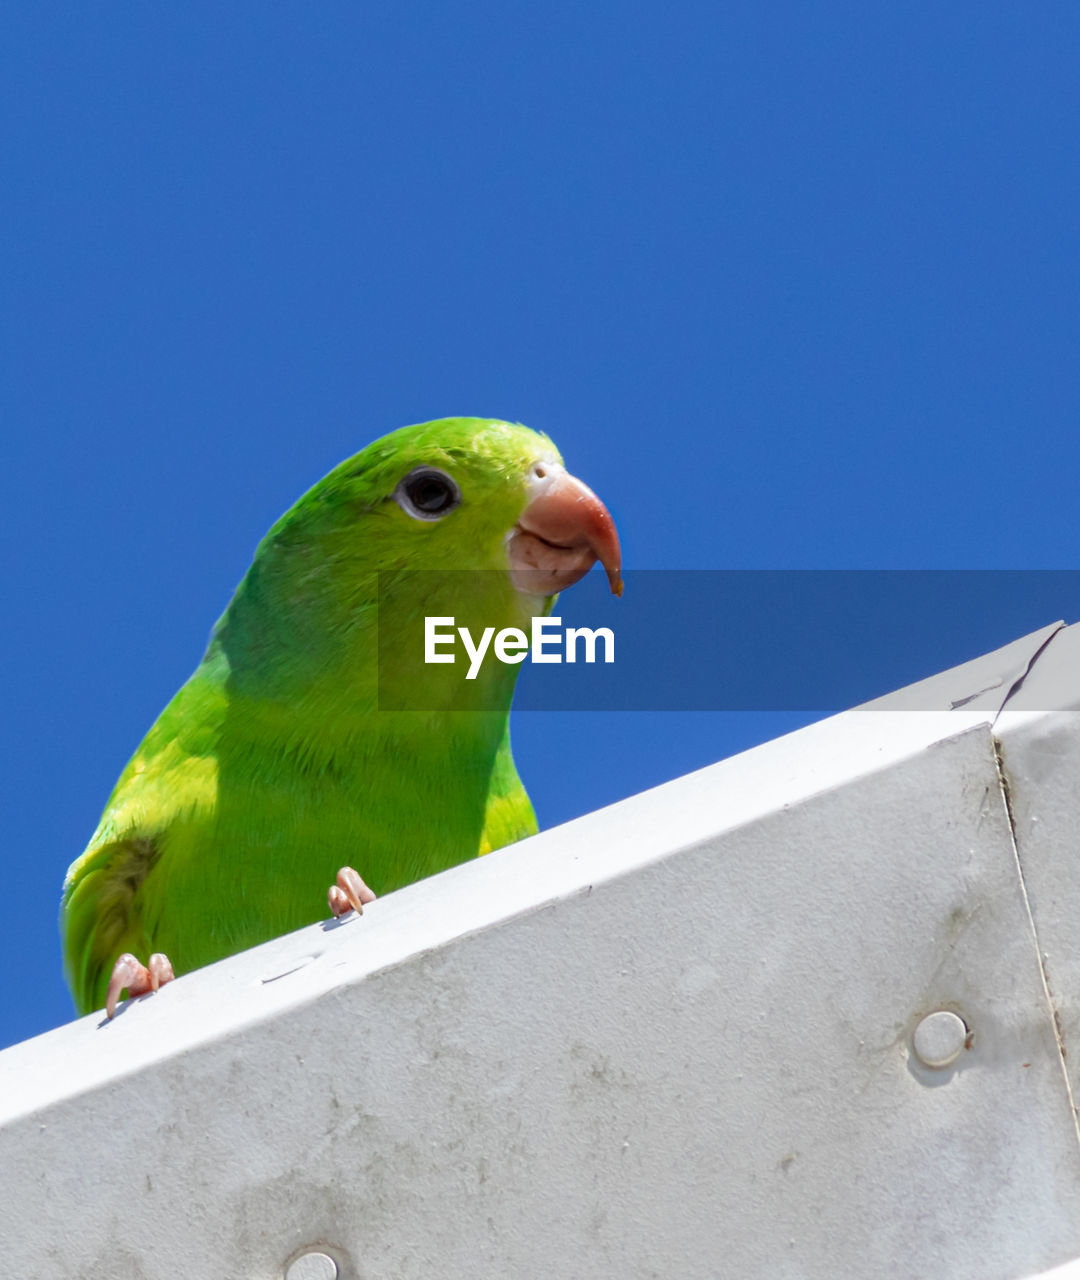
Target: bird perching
x,y
274,766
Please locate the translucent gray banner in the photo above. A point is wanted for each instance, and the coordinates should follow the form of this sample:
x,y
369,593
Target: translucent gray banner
x,y
700,640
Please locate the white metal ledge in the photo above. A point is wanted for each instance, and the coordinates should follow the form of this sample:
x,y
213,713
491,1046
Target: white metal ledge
x,y
674,1038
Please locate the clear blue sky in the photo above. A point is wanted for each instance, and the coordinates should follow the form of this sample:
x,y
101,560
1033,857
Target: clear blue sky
x,y
791,285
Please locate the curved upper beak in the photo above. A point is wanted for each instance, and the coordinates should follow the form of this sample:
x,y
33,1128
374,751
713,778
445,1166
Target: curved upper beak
x,y
561,534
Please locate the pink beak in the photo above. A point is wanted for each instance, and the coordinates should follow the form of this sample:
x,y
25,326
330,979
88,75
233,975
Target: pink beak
x,y
561,534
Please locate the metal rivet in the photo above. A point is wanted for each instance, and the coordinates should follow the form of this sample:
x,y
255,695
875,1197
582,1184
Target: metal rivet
x,y
312,1266
939,1039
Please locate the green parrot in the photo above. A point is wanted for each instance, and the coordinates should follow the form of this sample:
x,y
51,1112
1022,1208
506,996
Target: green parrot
x,y
274,767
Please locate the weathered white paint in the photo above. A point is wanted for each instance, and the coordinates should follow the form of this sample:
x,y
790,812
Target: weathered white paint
x,y
673,1039
1067,1271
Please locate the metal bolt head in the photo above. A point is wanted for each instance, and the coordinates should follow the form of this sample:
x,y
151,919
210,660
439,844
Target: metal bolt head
x,y
312,1266
939,1039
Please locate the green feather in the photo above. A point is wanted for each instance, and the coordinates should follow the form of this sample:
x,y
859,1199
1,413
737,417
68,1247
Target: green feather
x,y
273,765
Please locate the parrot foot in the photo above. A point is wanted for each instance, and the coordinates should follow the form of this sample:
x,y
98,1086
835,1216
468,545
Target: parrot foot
x,y
137,978
349,893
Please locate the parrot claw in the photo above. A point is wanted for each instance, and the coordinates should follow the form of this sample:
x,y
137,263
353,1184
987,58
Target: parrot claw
x,y
137,978
349,893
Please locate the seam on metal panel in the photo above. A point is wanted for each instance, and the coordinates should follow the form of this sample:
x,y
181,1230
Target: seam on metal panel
x,y
1055,1015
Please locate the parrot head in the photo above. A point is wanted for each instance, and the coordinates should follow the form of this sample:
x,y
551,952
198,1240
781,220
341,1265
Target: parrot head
x,y
460,493
472,518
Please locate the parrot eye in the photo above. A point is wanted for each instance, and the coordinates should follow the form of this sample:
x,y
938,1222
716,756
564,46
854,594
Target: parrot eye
x,y
427,494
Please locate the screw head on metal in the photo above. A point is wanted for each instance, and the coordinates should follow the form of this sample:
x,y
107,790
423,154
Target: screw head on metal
x,y
940,1038
312,1266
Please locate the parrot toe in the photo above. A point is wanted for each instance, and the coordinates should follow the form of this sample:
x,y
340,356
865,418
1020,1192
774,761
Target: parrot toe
x,y
137,978
349,893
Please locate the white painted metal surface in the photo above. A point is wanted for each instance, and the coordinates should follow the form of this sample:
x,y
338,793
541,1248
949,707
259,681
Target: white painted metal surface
x,y
1067,1271
711,1031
